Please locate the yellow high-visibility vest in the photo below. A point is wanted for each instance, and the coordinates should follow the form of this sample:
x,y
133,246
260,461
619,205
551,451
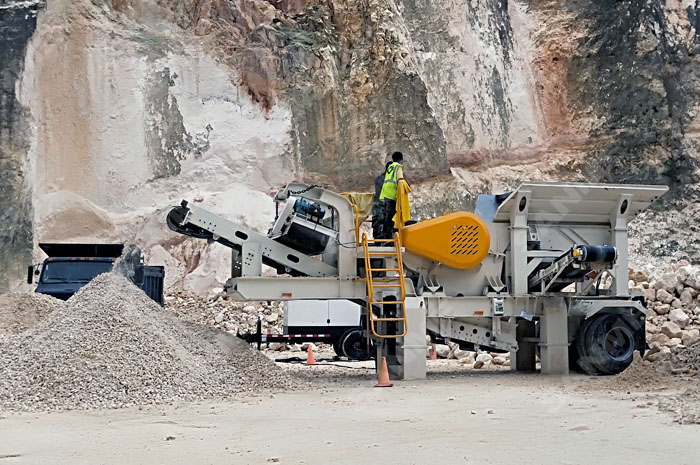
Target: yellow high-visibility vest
x,y
391,182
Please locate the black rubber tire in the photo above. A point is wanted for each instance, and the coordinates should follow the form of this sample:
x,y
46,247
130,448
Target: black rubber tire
x,y
606,343
338,349
354,345
573,359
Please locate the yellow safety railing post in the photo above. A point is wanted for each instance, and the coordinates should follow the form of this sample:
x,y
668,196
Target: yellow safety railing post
x,y
356,210
371,286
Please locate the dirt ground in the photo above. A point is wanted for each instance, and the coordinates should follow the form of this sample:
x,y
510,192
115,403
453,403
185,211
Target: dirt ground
x,y
455,416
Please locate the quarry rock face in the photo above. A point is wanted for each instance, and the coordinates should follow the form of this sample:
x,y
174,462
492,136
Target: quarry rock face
x,y
114,110
17,24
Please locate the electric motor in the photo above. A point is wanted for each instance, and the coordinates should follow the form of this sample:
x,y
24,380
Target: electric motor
x,y
306,207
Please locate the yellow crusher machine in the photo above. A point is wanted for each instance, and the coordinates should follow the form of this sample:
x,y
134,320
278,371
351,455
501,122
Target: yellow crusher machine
x,y
540,271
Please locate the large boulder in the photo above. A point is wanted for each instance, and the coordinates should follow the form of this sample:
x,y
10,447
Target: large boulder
x,y
659,338
442,350
638,276
657,353
664,296
679,317
688,274
667,282
650,294
672,330
464,354
662,309
686,297
663,354
690,337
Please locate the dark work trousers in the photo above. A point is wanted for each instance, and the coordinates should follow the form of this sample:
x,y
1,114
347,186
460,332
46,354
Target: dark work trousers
x,y
377,219
389,212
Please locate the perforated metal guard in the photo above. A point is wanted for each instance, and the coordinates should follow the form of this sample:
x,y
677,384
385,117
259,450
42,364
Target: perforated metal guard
x,y
460,240
464,240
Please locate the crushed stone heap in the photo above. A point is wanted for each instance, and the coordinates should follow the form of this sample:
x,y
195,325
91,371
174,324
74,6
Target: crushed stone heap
x,y
20,311
687,359
111,346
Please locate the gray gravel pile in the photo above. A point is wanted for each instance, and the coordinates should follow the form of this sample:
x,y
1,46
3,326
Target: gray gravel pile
x,y
111,346
20,311
687,359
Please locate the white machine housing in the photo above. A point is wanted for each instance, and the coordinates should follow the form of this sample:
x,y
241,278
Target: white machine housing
x,y
514,300
321,314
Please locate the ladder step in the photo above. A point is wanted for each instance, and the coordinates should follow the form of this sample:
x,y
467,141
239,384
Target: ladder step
x,y
397,279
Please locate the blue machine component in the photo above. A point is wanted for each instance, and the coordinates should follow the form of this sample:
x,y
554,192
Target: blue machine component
x,y
487,204
305,207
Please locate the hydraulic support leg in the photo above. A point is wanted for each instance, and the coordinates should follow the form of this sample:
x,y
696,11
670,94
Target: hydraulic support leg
x,y
554,348
413,343
523,359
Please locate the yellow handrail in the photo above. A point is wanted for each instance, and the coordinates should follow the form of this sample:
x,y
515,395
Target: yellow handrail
x,y
399,265
370,288
356,210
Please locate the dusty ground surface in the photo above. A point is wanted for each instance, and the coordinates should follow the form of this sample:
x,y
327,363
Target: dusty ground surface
x,y
455,416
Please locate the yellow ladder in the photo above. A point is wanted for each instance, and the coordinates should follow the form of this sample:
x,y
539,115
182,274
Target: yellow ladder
x,y
371,286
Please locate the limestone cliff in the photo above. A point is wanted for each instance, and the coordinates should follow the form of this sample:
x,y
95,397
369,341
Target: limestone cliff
x,y
112,110
17,24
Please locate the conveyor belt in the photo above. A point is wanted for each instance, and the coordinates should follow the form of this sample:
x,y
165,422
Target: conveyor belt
x,y
571,267
194,221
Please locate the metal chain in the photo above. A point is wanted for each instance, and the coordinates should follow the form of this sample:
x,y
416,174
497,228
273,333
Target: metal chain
x,y
303,190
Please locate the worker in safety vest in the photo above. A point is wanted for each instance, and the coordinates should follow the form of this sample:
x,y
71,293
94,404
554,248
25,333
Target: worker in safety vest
x,y
394,173
378,205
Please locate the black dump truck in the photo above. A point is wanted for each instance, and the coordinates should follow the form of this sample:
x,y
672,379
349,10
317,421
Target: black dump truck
x,y
71,266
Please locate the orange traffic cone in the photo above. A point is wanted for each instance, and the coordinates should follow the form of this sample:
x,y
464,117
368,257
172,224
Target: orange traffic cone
x,y
383,375
433,352
310,356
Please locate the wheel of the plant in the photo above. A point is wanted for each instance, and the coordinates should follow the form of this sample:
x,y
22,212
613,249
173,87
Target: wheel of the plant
x,y
606,343
573,359
354,345
338,349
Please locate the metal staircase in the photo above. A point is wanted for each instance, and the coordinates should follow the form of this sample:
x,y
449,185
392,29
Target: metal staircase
x,y
386,282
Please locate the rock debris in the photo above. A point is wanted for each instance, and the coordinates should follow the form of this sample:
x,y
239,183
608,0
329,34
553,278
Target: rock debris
x,y
111,346
20,311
